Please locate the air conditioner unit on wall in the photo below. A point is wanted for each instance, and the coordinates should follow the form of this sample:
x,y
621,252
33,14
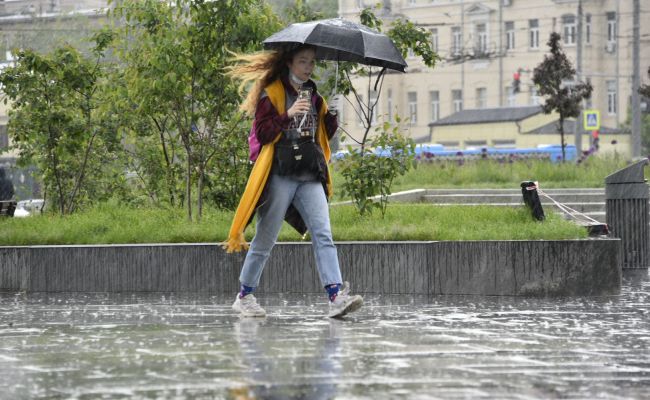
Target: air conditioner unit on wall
x,y
610,47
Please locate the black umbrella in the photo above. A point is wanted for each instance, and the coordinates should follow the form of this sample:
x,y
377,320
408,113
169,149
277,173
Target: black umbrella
x,y
337,39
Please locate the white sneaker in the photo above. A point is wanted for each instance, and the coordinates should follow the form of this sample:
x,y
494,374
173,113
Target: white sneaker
x,y
344,303
247,306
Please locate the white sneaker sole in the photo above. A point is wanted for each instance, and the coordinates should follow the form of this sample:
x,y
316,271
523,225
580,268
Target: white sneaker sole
x,y
354,305
258,315
248,315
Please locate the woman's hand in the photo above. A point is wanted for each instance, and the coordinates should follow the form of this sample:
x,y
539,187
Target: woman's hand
x,y
333,104
298,108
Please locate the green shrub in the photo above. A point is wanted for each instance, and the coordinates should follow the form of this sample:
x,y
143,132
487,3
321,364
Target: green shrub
x,y
366,174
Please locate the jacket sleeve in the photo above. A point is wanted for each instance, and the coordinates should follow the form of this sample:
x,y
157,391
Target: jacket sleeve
x,y
268,123
331,125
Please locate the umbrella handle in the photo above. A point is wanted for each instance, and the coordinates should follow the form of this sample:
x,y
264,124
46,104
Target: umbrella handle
x,y
336,78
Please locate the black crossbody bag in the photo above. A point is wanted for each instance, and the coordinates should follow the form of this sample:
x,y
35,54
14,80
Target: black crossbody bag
x,y
297,156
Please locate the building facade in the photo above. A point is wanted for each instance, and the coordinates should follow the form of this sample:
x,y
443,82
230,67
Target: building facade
x,y
488,51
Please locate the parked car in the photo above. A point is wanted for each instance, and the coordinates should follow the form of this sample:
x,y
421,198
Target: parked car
x,y
25,208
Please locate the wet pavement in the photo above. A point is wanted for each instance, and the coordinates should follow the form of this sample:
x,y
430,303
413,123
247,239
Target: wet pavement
x,y
88,346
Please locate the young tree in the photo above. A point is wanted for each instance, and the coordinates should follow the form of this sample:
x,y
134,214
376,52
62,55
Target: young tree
x,y
366,173
644,90
57,121
151,149
406,36
174,55
554,77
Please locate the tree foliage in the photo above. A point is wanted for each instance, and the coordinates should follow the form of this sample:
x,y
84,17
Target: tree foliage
x,y
371,173
365,174
174,54
159,117
58,120
553,78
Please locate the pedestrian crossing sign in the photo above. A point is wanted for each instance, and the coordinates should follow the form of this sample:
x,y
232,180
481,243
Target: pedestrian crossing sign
x,y
591,120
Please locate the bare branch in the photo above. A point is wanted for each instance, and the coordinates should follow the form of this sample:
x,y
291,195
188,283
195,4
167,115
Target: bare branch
x,y
348,133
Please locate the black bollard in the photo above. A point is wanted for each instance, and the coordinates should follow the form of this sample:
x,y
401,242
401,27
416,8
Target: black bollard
x,y
531,198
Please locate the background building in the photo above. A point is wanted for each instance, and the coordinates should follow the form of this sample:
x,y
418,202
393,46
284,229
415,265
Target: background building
x,y
483,44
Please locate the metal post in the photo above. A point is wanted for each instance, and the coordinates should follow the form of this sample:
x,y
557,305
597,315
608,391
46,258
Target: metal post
x,y
462,42
577,129
636,83
500,54
618,62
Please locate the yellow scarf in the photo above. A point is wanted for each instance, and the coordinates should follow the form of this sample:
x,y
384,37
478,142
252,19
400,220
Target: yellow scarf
x,y
262,168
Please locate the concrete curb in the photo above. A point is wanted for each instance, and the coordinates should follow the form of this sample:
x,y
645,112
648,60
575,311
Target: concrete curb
x,y
407,196
538,268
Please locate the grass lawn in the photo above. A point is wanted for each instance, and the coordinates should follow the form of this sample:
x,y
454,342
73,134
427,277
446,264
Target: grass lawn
x,y
493,174
107,224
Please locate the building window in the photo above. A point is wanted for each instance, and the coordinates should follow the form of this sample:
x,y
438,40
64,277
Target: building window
x,y
456,40
434,99
389,104
481,38
510,35
534,97
533,26
4,138
511,97
413,107
611,27
569,29
457,100
588,29
504,143
434,39
612,97
481,98
472,144
450,144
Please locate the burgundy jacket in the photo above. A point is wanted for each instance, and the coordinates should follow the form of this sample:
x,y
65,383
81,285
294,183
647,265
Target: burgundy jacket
x,y
268,122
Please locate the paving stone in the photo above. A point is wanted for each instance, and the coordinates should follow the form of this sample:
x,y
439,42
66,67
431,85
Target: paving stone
x,y
148,345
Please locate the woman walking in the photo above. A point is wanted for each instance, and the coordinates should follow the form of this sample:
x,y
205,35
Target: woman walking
x,y
290,179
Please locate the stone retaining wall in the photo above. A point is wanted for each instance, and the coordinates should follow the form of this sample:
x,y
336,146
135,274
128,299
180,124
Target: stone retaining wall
x,y
567,267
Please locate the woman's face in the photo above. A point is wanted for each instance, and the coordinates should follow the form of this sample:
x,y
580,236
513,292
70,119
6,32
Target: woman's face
x,y
303,63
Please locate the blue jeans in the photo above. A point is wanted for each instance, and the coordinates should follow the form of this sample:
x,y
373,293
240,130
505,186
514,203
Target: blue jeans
x,y
310,201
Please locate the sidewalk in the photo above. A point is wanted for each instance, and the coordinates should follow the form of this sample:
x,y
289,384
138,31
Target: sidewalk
x,y
447,347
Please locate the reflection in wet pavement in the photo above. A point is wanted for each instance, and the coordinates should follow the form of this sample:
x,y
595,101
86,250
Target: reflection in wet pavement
x,y
193,346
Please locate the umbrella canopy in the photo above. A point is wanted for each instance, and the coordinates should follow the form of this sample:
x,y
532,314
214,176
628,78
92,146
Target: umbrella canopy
x,y
337,39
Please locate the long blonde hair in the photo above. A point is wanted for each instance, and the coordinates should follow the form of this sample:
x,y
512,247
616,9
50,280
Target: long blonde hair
x,y
260,69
